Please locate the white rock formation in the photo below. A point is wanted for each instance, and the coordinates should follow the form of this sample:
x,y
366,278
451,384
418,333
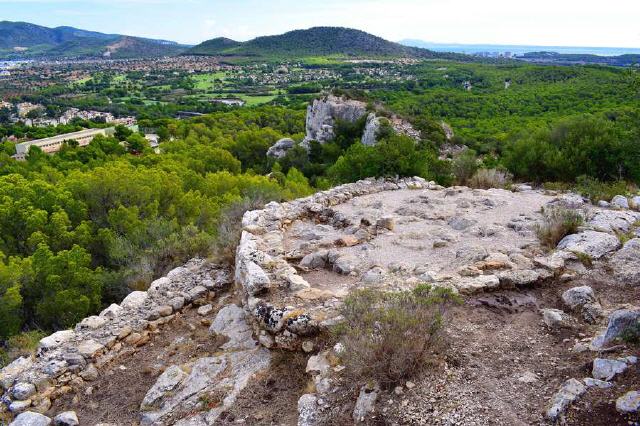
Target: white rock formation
x,y
323,113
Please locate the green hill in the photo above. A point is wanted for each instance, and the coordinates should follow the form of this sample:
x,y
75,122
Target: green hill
x,y
319,41
21,40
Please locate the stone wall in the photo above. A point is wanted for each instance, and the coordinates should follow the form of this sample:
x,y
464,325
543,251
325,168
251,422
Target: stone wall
x,y
274,293
68,358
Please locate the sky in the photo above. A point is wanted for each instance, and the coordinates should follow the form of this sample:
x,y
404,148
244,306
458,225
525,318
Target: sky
x,y
594,23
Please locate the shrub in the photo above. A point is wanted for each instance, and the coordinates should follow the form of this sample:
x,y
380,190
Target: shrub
x,y
388,336
464,166
631,334
596,190
490,178
557,223
230,228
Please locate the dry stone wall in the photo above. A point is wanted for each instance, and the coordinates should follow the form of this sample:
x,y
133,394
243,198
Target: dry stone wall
x,y
68,358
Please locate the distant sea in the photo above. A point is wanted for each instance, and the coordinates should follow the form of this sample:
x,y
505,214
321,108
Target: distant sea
x,y
518,49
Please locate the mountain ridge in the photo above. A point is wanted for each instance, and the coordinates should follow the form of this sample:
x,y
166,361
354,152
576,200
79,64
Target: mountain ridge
x,y
315,41
24,40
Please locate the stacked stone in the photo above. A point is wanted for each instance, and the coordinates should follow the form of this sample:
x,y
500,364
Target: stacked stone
x,y
269,283
68,358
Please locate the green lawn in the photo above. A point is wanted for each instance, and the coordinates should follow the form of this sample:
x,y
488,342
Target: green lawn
x,y
207,81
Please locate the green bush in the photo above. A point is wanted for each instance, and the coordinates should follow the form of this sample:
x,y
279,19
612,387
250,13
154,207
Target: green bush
x,y
596,190
557,223
584,146
388,336
464,166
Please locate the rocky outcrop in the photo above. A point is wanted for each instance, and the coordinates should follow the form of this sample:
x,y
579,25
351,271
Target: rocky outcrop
x,y
371,129
209,382
323,113
280,148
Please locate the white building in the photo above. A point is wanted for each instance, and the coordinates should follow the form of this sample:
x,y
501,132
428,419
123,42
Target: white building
x,y
54,144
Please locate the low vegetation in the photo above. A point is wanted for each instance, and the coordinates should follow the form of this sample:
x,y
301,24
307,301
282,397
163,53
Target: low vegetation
x,y
557,223
388,337
490,178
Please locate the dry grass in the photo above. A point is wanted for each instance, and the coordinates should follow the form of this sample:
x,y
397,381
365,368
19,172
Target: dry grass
x,y
557,223
490,178
388,336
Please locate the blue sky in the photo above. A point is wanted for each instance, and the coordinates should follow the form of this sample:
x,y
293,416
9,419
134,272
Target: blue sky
x,y
540,22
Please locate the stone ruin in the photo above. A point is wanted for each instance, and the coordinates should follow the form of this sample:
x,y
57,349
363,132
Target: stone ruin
x,y
297,261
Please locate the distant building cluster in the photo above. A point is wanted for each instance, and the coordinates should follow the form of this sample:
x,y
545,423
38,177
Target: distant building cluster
x,y
23,109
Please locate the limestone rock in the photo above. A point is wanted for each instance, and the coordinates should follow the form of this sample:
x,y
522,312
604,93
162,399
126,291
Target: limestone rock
x,y
595,383
17,407
56,339
555,318
366,403
91,323
112,311
134,300
371,129
280,148
374,275
620,202
569,392
9,373
613,220
30,418
628,403
477,284
582,299
256,279
89,348
592,243
619,321
165,384
205,310
231,322
22,391
626,263
68,418
323,113
308,410
607,369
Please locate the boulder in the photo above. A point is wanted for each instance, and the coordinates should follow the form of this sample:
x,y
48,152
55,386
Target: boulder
x,y
583,300
366,403
23,391
112,311
89,348
56,339
607,369
620,202
280,148
9,373
29,418
308,410
635,202
555,318
613,220
619,321
231,322
626,263
256,279
68,418
134,300
592,243
629,403
569,392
